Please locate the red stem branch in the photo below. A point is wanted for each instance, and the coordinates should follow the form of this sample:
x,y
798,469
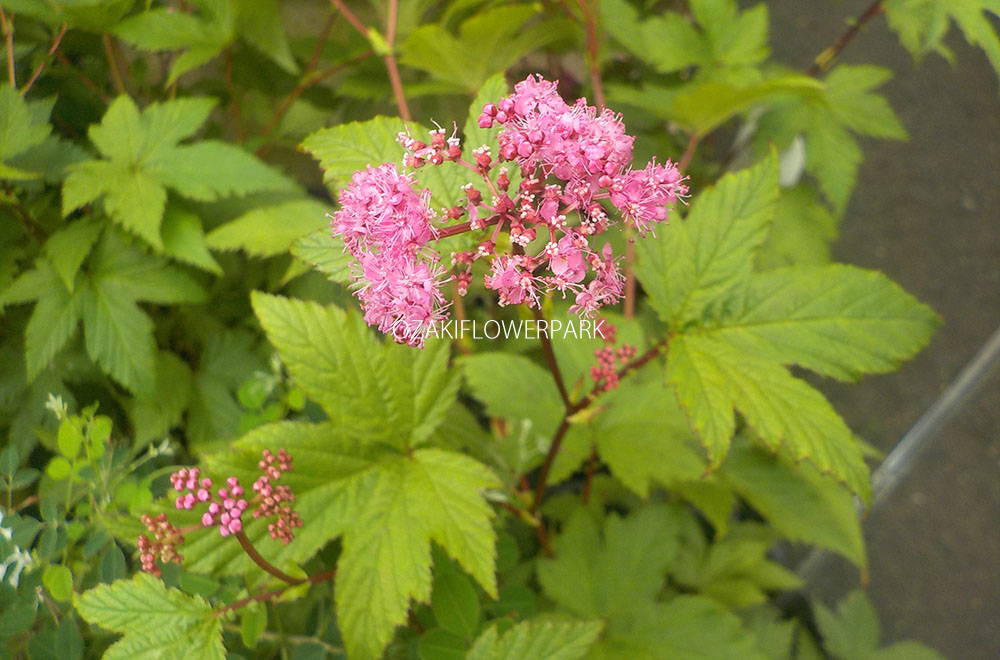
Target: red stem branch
x,y
265,564
824,59
48,58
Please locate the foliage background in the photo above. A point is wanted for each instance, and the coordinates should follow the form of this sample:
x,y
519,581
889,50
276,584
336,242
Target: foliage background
x,y
422,107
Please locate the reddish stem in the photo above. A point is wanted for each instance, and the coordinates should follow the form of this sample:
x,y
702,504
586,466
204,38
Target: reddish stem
x,y
48,58
824,59
593,52
263,563
7,27
550,358
274,593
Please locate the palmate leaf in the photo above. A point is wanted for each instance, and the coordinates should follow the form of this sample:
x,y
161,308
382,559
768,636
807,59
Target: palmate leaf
x,y
923,24
157,622
725,36
737,329
20,128
141,159
618,576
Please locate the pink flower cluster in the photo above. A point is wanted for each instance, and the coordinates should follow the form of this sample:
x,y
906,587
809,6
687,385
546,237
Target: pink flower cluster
x,y
385,224
274,500
574,165
226,505
163,545
605,371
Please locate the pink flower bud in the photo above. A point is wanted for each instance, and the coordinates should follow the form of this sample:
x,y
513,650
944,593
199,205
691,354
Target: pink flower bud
x,y
207,520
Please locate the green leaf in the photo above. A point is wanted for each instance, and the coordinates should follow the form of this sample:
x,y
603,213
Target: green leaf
x,y
688,628
346,148
705,107
58,581
118,262
160,30
514,387
342,150
52,324
326,254
253,622
270,230
210,170
800,504
802,231
537,640
712,378
490,41
118,335
455,603
156,622
439,644
338,362
386,558
142,158
154,416
68,247
837,320
20,128
643,436
259,23
923,24
615,577
690,265
853,630
184,239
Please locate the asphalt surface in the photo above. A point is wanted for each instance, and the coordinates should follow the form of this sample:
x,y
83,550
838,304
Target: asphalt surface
x,y
927,213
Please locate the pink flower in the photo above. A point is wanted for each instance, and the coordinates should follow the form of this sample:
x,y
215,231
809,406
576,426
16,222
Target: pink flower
x,y
643,195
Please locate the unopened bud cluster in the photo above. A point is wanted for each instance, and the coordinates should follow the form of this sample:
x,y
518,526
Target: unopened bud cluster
x,y
574,163
163,546
605,370
224,507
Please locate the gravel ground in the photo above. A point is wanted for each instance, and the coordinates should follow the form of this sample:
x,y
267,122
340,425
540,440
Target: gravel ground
x,y
927,213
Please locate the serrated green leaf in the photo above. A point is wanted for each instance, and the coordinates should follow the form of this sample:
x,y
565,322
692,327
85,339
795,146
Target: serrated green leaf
x,y
490,41
154,416
119,263
386,558
668,42
160,30
514,387
455,603
439,644
270,230
184,239
537,640
20,128
156,622
849,98
142,158
209,170
338,362
618,575
688,266
923,24
326,253
68,247
712,378
688,627
837,320
342,150
259,23
800,504
119,335
52,324
853,630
